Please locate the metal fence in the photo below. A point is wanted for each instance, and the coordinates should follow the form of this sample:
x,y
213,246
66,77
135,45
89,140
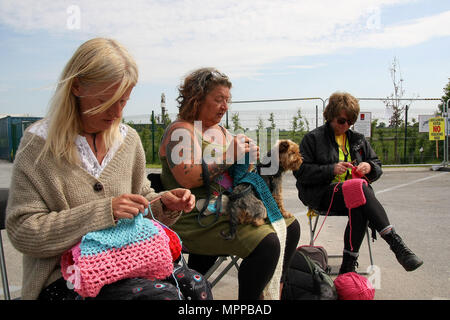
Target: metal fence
x,y
11,131
394,145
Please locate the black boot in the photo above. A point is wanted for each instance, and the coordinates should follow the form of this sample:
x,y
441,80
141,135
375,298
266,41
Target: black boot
x,y
349,263
404,255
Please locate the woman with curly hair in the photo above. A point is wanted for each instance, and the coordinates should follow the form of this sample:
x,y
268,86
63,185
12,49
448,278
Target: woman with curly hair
x,y
196,146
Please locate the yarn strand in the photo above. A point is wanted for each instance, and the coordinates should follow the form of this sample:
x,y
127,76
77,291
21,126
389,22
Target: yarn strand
x,y
181,243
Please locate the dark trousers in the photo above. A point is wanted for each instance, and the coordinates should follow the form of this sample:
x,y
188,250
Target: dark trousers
x,y
258,267
372,212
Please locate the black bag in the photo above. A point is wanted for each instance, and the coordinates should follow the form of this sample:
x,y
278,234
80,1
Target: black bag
x,y
317,254
306,280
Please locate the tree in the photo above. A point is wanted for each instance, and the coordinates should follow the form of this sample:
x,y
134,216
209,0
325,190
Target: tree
x,y
272,121
236,122
260,125
303,123
294,127
445,97
165,120
299,124
395,103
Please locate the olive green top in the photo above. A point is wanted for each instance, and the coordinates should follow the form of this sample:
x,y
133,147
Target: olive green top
x,y
208,240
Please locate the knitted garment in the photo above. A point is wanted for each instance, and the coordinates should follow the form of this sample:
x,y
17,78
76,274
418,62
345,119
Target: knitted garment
x,y
240,174
62,196
353,197
136,247
353,193
356,174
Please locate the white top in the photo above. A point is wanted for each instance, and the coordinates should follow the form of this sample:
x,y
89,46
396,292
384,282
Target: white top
x,y
88,159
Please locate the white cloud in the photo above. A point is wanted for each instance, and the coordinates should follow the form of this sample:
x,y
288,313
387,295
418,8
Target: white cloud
x,y
170,38
410,33
307,66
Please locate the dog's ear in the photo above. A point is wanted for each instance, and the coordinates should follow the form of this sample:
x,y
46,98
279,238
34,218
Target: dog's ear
x,y
283,146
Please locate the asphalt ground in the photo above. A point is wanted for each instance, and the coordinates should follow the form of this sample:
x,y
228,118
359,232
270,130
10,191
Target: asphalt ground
x,y
417,201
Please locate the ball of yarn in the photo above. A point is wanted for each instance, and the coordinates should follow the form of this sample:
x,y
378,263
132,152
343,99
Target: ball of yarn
x,y
352,286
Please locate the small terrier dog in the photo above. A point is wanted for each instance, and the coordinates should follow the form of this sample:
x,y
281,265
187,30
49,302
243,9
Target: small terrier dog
x,y
244,206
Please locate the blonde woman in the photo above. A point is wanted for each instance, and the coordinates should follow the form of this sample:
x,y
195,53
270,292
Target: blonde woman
x,y
80,170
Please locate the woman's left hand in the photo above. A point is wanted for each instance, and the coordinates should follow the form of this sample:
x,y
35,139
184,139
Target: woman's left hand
x,y
179,199
363,168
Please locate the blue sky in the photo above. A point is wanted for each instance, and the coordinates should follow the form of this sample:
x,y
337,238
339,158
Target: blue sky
x,y
270,49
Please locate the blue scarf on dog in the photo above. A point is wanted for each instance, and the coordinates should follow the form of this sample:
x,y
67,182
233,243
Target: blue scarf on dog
x,y
240,174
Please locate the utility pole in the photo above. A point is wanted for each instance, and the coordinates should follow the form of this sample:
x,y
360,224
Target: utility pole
x,y
406,133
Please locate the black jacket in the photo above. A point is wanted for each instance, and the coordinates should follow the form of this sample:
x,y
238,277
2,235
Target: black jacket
x,y
320,153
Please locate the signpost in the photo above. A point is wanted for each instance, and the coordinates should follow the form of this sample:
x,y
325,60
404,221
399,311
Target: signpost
x,y
363,124
436,128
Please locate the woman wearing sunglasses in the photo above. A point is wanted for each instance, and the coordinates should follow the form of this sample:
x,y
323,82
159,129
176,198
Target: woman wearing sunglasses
x,y
331,153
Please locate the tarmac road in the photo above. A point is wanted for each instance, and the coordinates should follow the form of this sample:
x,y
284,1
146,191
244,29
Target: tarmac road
x,y
417,201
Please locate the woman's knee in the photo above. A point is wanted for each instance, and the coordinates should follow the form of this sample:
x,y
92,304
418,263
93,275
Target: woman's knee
x,y
269,248
368,191
293,230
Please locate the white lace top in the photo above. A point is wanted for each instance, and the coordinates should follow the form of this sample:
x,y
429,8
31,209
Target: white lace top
x,y
88,160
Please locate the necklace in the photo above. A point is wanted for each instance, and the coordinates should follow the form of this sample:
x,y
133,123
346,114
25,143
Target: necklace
x,y
93,136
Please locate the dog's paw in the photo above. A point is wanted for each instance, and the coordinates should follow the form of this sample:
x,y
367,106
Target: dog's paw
x,y
286,214
258,222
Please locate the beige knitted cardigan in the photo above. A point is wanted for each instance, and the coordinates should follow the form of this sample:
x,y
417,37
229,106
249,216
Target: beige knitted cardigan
x,y
51,206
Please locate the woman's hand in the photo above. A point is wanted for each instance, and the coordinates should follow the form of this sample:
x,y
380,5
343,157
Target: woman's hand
x,y
128,206
341,167
178,199
241,145
363,168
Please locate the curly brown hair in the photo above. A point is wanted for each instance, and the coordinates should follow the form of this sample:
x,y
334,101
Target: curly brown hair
x,y
339,101
194,89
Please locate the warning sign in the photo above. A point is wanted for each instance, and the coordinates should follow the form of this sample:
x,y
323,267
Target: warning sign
x,y
436,128
362,124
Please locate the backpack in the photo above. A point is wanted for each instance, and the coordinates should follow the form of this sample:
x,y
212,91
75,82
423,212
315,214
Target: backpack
x,y
317,254
305,278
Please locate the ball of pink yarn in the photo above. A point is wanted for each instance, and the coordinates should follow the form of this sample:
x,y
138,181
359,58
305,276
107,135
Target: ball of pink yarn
x,y
352,286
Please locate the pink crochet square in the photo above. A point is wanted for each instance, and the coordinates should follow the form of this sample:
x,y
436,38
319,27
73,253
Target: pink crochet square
x,y
353,193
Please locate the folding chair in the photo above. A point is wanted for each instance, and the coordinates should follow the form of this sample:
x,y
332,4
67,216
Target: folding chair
x,y
3,201
156,183
313,217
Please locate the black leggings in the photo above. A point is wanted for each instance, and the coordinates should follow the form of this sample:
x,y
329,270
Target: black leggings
x,y
257,268
372,212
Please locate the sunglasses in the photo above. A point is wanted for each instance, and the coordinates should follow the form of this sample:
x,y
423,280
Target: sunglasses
x,y
215,75
343,120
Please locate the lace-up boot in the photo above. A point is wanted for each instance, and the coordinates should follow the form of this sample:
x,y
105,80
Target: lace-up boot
x,y
349,263
404,255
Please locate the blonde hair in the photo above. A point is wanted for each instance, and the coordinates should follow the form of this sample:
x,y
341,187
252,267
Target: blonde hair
x,y
339,101
96,61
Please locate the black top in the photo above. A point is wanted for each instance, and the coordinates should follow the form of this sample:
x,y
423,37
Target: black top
x,y
320,153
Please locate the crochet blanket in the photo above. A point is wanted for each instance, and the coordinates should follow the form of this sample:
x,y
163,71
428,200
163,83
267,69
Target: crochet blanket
x,y
138,247
240,174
